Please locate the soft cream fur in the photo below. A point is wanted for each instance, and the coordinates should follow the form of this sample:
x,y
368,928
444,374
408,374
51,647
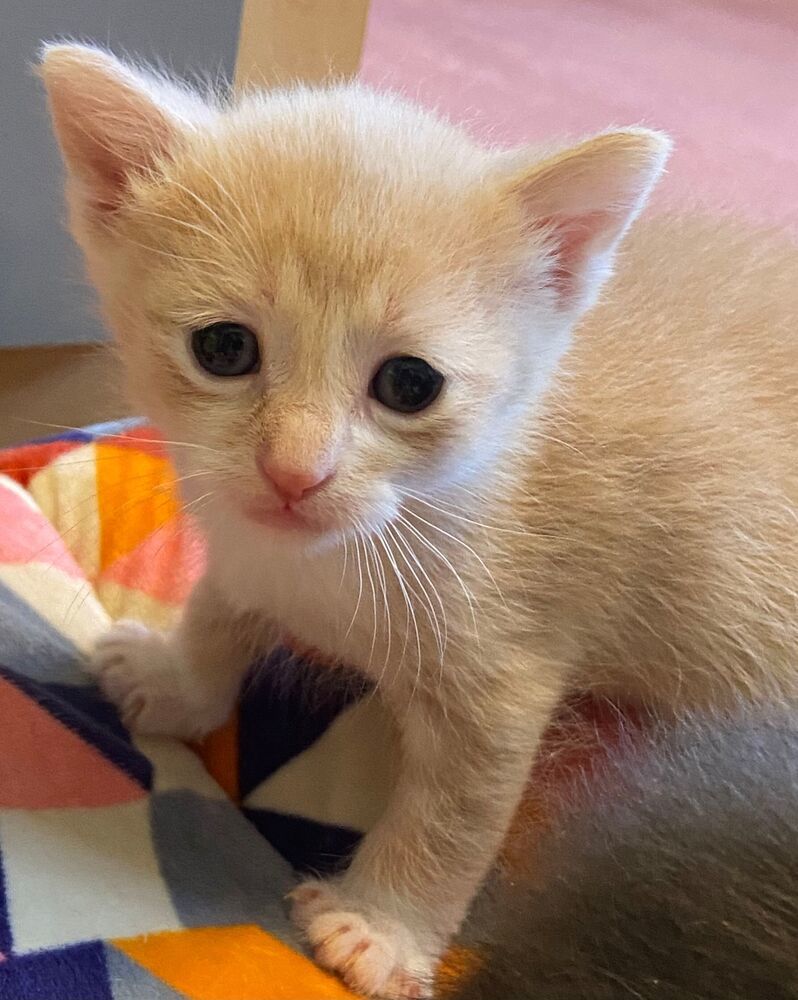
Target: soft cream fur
x,y
629,526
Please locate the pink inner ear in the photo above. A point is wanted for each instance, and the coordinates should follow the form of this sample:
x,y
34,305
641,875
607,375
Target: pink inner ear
x,y
572,239
107,141
115,159
110,181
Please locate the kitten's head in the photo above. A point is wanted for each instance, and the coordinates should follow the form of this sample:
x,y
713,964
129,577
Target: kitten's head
x,y
332,295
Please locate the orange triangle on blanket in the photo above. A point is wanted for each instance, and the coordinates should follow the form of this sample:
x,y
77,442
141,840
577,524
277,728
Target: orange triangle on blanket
x,y
135,496
219,753
219,963
165,564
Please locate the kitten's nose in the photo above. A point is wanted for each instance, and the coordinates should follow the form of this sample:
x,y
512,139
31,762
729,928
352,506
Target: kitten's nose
x,y
292,483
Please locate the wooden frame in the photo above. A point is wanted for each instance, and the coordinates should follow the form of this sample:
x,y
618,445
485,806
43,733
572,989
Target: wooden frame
x,y
66,384
288,41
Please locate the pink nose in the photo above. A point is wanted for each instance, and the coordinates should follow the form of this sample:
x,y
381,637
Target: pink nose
x,y
290,482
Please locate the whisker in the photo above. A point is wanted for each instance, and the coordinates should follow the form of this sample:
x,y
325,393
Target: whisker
x,y
449,512
373,597
428,607
482,499
410,592
111,437
345,561
465,545
545,436
85,590
359,587
409,613
157,489
447,562
130,504
386,606
193,503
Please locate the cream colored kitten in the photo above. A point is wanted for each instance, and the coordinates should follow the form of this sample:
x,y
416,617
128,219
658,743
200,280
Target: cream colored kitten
x,y
352,314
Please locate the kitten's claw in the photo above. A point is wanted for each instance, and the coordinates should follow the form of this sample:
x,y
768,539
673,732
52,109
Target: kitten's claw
x,y
141,672
373,954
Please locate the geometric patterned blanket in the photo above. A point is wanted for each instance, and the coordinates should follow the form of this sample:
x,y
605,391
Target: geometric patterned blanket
x,y
139,868
133,868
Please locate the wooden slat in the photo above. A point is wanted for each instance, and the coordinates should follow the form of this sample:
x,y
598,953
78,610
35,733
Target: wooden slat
x,y
285,41
67,384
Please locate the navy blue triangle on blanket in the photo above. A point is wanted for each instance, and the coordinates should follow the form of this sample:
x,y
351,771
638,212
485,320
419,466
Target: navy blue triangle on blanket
x,y
286,705
310,847
78,972
5,923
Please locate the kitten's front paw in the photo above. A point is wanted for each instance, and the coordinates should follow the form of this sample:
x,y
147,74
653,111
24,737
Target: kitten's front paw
x,y
373,954
141,672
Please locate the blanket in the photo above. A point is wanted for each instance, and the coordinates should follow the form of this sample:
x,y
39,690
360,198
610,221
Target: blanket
x,y
137,868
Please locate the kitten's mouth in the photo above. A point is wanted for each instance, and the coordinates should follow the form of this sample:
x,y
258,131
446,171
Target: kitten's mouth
x,y
287,518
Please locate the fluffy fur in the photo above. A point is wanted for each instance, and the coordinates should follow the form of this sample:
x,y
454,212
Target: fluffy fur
x,y
672,876
626,524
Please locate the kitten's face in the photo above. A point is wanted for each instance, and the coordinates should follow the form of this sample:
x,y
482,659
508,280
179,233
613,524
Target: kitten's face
x,y
274,267
330,266
332,278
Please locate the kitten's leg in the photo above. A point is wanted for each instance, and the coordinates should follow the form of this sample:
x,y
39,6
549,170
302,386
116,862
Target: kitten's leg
x,y
183,683
383,925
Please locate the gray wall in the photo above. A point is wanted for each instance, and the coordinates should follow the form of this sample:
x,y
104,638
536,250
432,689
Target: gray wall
x,y
43,298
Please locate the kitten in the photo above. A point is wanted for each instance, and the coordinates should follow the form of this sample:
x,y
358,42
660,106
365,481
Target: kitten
x,y
354,319
671,877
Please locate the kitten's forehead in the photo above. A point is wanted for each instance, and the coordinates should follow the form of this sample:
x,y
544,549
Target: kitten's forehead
x,y
321,194
324,132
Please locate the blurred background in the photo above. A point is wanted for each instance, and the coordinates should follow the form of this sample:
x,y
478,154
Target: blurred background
x,y
720,75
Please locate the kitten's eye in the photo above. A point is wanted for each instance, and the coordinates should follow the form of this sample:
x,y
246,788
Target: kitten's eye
x,y
226,349
406,384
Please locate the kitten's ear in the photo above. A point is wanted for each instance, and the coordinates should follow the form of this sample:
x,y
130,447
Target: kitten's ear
x,y
110,121
584,199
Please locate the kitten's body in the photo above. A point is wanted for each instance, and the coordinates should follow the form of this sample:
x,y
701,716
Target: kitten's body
x,y
632,530
661,508
670,875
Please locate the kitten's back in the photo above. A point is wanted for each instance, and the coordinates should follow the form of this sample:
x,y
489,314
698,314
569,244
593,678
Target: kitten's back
x,y
674,877
663,480
696,297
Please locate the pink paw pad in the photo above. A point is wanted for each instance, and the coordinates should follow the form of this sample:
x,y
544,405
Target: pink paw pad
x,y
375,955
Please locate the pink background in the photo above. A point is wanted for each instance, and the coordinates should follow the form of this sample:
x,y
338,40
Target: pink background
x,y
720,75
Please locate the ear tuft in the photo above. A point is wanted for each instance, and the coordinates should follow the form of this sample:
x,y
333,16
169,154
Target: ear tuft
x,y
108,119
584,199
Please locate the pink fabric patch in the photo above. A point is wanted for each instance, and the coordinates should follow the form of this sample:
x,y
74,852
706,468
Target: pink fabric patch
x,y
720,75
27,536
44,765
166,565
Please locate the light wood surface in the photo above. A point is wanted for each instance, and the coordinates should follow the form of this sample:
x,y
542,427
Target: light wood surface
x,y
68,384
285,41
